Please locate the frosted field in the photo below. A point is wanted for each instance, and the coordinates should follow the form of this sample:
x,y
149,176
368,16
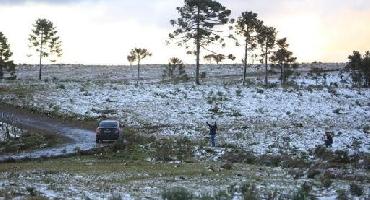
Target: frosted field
x,y
6,128
278,121
258,122
263,121
149,73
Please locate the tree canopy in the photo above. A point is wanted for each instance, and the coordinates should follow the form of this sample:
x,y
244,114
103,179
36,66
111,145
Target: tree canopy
x,y
283,58
246,26
45,41
266,38
138,54
5,54
359,66
196,25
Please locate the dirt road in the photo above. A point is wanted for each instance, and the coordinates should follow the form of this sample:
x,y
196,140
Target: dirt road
x,y
79,137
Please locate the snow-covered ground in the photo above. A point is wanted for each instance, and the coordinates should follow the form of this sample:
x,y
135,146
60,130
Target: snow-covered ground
x,y
260,120
11,131
289,120
149,73
135,184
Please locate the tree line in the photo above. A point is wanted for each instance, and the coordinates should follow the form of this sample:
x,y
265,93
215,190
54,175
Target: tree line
x,y
201,23
197,27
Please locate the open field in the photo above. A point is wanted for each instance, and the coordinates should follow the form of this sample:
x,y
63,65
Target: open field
x,y
268,137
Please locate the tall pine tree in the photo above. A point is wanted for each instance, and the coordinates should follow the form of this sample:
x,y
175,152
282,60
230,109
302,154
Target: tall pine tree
x,y
283,58
45,41
266,38
196,25
5,54
246,26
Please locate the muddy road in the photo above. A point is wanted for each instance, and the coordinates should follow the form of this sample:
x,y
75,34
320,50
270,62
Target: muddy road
x,y
78,136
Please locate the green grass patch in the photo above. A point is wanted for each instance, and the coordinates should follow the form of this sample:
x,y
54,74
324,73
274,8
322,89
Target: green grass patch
x,y
30,141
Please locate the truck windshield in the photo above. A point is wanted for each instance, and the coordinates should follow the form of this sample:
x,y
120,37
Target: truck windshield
x,y
108,124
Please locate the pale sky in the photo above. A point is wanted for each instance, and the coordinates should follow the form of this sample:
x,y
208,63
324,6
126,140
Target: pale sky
x,y
104,31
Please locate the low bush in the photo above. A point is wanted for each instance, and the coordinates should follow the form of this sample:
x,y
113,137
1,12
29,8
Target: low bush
x,y
303,192
356,190
341,156
312,173
341,195
177,193
249,191
239,156
323,153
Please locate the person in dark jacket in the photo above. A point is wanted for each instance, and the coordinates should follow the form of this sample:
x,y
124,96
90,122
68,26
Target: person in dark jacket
x,y
212,133
328,139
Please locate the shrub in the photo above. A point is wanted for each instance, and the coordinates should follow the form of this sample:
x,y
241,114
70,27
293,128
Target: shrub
x,y
227,166
326,181
238,92
116,196
323,153
356,189
118,145
312,173
61,86
249,191
177,193
31,191
341,195
239,156
303,192
341,156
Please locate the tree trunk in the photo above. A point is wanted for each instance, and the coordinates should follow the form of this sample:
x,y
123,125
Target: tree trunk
x,y
198,51
281,74
1,66
138,70
40,56
245,61
266,70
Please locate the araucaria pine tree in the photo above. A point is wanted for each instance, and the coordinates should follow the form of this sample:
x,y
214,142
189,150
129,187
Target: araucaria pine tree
x,y
5,54
175,71
266,39
138,54
45,41
283,58
130,59
247,26
196,25
216,57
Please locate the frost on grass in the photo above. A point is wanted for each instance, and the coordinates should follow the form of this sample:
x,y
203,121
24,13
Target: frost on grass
x,y
7,131
262,121
271,121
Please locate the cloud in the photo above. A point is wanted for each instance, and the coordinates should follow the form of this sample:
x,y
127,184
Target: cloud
x,y
17,2
103,31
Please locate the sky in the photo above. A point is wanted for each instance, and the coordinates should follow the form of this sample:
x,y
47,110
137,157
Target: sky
x,y
104,31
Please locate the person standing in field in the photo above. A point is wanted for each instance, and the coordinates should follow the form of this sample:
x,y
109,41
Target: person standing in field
x,y
212,133
328,139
